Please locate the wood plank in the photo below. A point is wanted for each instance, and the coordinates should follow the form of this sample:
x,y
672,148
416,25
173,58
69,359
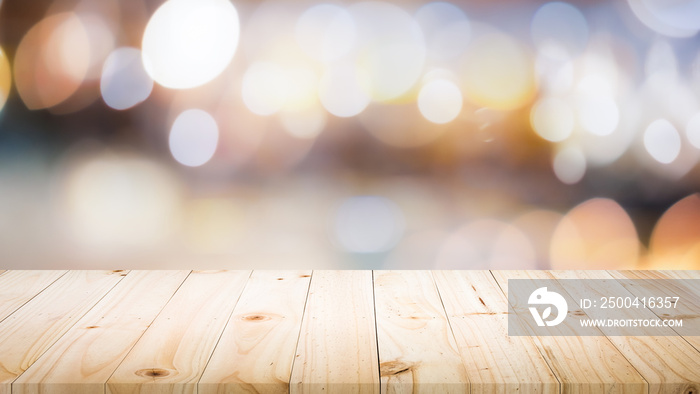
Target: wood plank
x,y
686,309
88,354
583,364
680,274
36,326
417,350
668,363
495,362
337,350
171,355
18,287
257,348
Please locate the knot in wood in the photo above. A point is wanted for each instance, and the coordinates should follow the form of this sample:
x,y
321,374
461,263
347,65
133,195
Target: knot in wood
x,y
152,372
389,368
255,318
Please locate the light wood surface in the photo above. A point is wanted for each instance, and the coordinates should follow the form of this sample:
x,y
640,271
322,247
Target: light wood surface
x,y
495,362
171,355
583,364
337,350
18,287
408,310
91,351
38,324
257,348
668,363
216,332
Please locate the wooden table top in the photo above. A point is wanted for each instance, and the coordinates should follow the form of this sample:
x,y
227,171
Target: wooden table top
x,y
216,332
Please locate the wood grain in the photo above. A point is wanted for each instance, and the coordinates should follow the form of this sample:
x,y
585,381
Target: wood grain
x,y
337,350
36,326
257,348
217,332
171,355
409,310
688,306
583,364
668,363
88,354
18,287
495,362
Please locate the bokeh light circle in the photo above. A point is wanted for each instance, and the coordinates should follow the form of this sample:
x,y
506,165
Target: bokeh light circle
x,y
5,78
596,234
187,43
662,141
497,72
552,119
193,137
559,30
447,30
341,93
692,130
124,81
47,70
391,49
326,32
440,101
569,165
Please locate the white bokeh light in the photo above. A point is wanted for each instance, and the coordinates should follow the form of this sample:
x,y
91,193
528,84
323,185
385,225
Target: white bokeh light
x,y
569,165
187,43
440,101
264,88
125,82
692,130
305,124
194,137
598,115
552,119
391,48
341,93
559,30
326,32
662,141
447,30
368,224
671,18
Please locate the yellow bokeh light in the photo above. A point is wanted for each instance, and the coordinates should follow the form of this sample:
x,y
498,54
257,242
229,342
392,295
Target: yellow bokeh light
x,y
5,78
498,73
552,119
597,234
269,87
118,202
675,242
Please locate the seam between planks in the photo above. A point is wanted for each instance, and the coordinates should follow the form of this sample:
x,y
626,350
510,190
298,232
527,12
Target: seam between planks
x,y
301,328
228,320
603,335
546,359
121,278
449,324
34,296
104,385
376,334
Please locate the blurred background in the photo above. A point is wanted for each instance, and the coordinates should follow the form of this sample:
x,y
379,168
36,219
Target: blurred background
x,y
299,134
